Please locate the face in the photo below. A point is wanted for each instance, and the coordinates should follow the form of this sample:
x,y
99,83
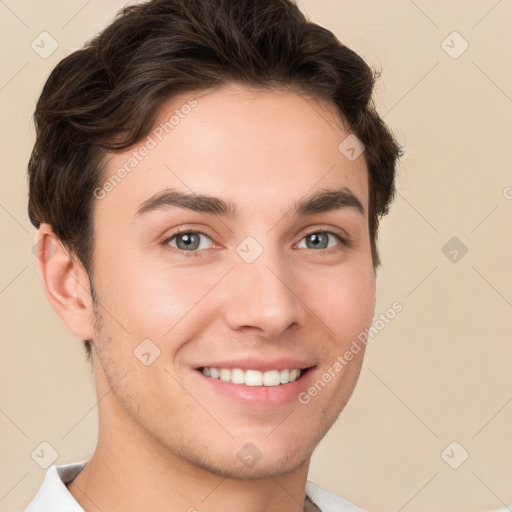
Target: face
x,y
235,245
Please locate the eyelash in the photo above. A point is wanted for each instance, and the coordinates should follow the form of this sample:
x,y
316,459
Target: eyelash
x,y
198,252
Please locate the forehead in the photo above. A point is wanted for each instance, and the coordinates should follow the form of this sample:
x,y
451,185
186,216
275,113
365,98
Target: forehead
x,y
254,147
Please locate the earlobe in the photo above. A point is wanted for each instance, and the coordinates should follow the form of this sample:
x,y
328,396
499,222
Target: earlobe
x,y
65,282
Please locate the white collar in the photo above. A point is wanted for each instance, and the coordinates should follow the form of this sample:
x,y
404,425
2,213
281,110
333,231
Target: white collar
x,y
53,495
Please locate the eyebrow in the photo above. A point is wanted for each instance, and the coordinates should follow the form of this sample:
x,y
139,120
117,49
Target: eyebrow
x,y
323,201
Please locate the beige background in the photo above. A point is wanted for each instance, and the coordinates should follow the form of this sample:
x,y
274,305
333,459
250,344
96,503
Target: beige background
x,y
439,372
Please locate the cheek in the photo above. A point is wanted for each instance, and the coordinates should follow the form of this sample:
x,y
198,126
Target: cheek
x,y
158,300
347,303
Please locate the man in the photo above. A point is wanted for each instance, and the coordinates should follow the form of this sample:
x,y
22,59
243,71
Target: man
x,y
207,182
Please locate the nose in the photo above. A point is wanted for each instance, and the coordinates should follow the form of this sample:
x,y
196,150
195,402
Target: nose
x,y
261,296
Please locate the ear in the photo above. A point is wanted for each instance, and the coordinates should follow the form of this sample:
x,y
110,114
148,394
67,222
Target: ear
x,y
65,283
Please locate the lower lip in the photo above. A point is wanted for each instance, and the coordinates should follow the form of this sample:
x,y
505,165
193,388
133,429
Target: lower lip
x,y
260,396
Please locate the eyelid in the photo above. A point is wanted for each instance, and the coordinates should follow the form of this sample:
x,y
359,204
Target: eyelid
x,y
331,229
182,230
342,235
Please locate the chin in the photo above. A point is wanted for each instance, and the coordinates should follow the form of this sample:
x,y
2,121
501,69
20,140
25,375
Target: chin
x,y
263,468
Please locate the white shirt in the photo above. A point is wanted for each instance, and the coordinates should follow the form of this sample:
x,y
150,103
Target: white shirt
x,y
53,495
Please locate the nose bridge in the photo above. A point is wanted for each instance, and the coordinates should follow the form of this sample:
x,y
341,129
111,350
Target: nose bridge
x,y
261,290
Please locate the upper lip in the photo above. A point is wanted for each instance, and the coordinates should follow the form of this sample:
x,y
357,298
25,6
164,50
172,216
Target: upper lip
x,y
263,365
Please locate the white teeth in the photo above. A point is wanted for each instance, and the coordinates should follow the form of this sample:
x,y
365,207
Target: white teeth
x,y
237,376
225,375
271,378
253,377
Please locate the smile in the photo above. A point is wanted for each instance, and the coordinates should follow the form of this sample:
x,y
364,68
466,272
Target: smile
x,y
253,377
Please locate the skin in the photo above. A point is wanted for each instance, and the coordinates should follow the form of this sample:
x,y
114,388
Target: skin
x,y
167,440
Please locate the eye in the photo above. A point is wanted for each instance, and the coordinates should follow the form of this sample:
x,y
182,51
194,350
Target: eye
x,y
192,243
320,240
188,241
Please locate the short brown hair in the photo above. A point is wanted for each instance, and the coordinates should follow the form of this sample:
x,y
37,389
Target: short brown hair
x,y
105,97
